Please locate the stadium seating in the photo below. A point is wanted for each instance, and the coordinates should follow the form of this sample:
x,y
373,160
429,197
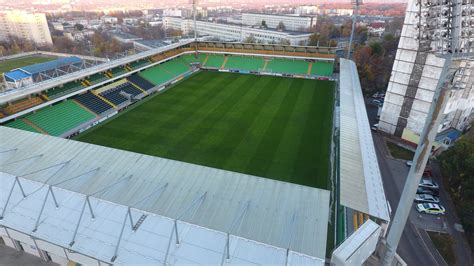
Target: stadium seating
x,y
60,118
244,63
288,66
64,90
322,68
92,102
96,78
156,75
20,124
191,58
176,66
114,96
118,71
139,63
21,105
140,82
214,61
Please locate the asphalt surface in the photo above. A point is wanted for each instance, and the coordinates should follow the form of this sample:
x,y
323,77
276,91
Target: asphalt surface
x,y
415,246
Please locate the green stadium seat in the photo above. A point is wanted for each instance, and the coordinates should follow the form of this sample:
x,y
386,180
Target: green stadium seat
x,y
288,66
156,75
215,61
176,66
20,124
64,90
244,63
322,68
139,63
97,78
60,118
191,58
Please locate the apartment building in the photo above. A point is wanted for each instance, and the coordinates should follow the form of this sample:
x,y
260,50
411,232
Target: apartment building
x,y
291,22
228,32
25,25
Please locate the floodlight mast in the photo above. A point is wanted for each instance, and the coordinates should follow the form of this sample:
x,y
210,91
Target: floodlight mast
x,y
194,18
356,3
450,50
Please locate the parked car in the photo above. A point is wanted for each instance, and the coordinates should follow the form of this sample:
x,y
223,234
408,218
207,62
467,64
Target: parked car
x,y
429,183
409,163
422,190
430,208
426,198
375,127
376,102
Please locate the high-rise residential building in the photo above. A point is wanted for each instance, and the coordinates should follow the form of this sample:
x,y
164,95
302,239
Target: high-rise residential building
x,y
25,25
417,70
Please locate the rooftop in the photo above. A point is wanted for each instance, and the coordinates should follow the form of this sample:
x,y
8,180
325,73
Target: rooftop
x,y
50,65
277,213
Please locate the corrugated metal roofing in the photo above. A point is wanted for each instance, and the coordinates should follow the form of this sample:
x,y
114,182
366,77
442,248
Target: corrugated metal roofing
x,y
278,213
361,183
152,243
17,74
50,65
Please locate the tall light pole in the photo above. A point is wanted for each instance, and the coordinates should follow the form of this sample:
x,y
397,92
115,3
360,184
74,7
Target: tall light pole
x,y
356,4
440,26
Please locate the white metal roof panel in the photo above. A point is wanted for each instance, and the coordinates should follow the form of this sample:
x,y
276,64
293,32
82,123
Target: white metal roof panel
x,y
152,243
268,211
361,185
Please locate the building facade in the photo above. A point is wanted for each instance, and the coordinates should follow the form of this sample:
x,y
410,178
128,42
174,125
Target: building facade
x,y
25,25
415,75
293,23
227,32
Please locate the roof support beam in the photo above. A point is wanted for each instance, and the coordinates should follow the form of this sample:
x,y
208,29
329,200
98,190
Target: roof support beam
x,y
237,221
10,195
42,206
174,230
86,201
121,233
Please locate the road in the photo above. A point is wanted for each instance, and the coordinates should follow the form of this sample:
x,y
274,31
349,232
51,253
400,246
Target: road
x,y
415,246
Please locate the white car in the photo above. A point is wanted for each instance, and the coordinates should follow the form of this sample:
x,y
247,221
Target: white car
x,y
409,163
375,127
428,183
430,208
426,198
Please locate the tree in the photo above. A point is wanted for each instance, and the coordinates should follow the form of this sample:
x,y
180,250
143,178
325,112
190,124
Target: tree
x,y
250,39
457,165
264,24
79,27
285,42
281,26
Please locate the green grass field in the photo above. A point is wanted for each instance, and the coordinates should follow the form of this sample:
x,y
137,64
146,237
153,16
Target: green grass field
x,y
23,61
273,127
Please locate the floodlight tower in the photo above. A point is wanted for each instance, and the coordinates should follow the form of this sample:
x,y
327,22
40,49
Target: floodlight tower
x,y
195,29
356,4
445,29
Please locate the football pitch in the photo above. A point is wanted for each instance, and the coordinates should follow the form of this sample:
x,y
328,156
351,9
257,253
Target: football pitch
x,y
273,127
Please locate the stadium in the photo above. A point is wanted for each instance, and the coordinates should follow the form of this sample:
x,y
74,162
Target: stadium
x,y
197,152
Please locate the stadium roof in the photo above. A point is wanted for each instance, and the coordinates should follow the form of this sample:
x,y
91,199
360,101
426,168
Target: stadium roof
x,y
17,74
108,234
361,183
50,65
276,213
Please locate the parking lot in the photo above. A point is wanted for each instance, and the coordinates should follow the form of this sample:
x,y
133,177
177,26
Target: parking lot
x,y
415,247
